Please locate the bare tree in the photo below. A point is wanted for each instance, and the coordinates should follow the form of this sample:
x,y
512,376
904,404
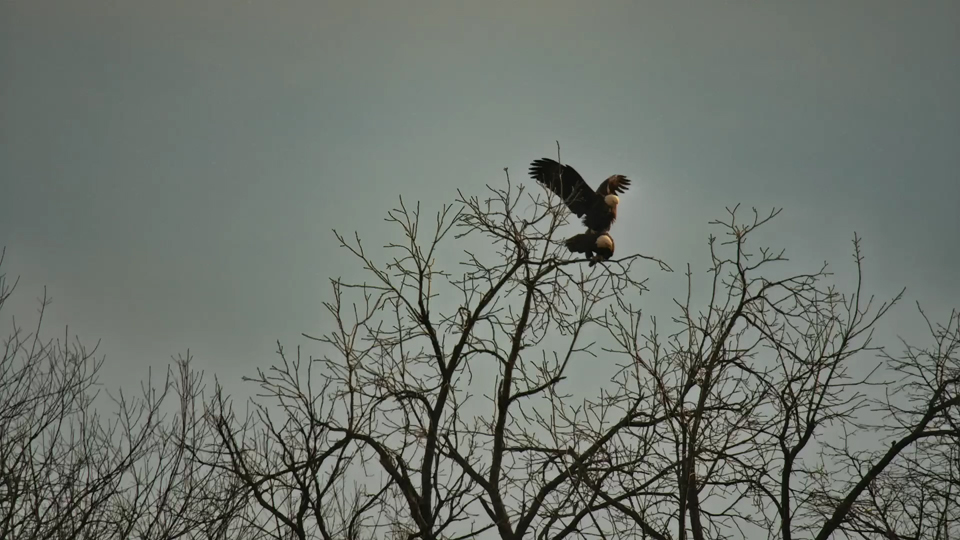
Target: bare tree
x,y
289,468
61,463
732,422
754,404
69,471
448,403
908,489
410,348
168,493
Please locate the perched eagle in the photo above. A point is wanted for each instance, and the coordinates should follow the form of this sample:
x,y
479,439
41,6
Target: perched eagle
x,y
597,208
596,246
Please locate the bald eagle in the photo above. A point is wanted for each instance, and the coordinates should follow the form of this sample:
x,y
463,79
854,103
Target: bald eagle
x,y
595,245
598,208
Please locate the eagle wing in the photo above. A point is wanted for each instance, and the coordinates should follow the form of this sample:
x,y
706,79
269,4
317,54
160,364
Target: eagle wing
x,y
566,182
614,185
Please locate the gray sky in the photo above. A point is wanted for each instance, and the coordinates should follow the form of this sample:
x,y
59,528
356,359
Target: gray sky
x,y
171,170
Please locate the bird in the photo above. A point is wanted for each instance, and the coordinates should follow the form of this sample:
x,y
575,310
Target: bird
x,y
597,208
596,246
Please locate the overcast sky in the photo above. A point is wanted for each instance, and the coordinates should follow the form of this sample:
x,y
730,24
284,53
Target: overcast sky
x,y
171,170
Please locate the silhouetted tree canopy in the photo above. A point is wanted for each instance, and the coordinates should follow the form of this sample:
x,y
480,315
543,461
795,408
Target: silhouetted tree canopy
x,y
448,402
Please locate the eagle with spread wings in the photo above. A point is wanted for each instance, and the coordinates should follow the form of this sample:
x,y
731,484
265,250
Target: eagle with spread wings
x,y
597,208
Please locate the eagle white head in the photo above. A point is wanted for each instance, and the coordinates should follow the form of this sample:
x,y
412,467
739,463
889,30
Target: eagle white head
x,y
604,241
612,200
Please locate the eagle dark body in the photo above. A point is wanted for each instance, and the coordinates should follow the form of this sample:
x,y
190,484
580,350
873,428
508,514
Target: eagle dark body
x,y
597,208
596,246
